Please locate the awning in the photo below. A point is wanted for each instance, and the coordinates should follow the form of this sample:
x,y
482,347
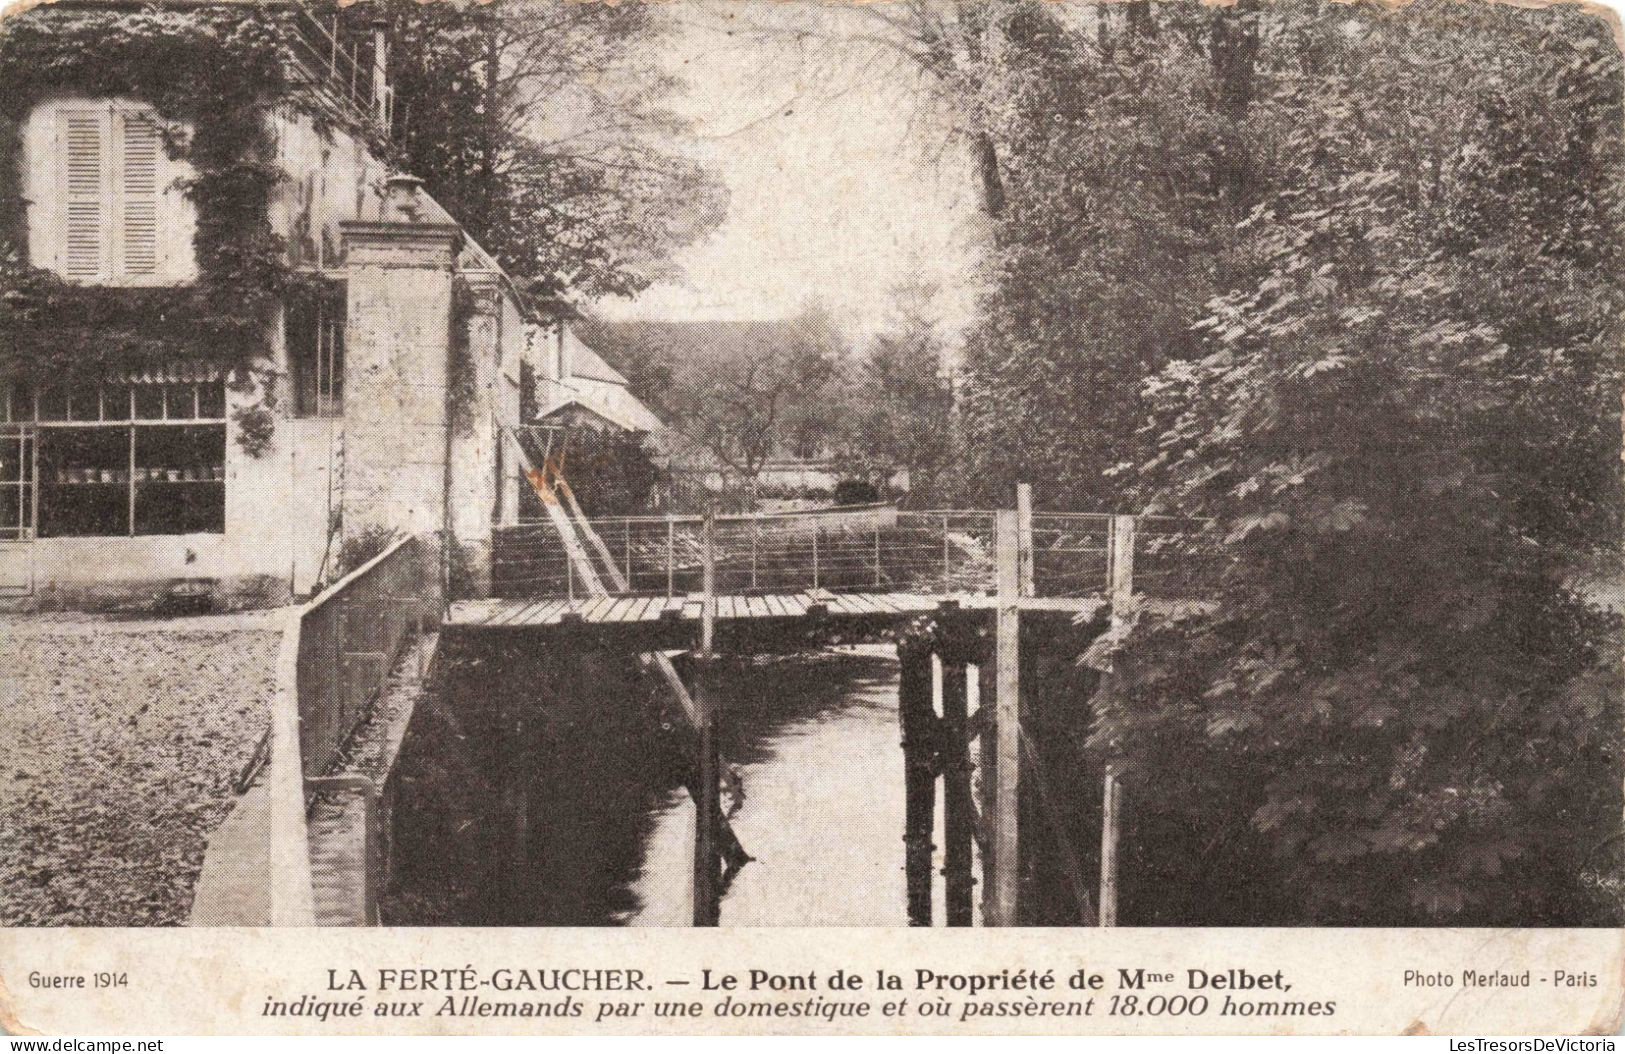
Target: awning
x,y
167,373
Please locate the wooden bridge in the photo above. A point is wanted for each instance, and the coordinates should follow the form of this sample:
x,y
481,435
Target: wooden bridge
x,y
656,585
863,568
648,587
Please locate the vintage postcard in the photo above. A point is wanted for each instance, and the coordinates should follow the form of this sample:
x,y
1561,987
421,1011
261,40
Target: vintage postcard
x,y
655,517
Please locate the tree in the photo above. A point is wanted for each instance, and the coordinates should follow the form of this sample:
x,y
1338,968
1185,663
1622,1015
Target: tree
x,y
734,394
1121,169
544,128
897,410
752,399
1398,708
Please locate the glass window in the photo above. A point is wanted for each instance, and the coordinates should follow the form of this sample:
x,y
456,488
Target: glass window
x,y
180,402
53,404
85,403
180,479
130,479
149,402
211,401
84,477
116,402
314,331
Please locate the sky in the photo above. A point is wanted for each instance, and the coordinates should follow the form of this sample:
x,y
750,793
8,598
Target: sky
x,y
839,190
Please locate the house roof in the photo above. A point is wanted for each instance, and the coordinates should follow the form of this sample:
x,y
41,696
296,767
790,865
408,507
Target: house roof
x,y
585,362
629,414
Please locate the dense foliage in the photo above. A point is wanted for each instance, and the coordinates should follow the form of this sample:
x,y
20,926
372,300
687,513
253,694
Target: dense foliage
x,y
543,128
219,71
896,403
1368,263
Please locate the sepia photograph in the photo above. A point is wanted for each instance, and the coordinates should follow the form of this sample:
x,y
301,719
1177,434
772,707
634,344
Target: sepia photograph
x,y
790,463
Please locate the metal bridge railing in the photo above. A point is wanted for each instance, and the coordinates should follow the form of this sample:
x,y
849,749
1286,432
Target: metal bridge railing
x,y
870,548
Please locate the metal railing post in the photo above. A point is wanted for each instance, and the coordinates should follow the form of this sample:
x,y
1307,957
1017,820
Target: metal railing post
x,y
877,555
815,555
671,556
947,571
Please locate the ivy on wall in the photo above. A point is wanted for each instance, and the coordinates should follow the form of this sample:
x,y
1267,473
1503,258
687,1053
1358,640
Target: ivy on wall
x,y
221,73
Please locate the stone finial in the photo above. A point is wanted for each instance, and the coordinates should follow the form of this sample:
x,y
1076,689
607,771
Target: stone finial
x,y
401,199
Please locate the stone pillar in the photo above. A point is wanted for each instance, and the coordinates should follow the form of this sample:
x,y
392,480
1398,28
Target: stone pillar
x,y
475,436
397,351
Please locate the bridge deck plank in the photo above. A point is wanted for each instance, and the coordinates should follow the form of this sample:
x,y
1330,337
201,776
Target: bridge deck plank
x,y
612,610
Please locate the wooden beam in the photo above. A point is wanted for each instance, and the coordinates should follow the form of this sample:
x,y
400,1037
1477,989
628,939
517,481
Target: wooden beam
x,y
1110,815
1007,722
958,821
707,803
1024,525
918,720
1122,599
708,603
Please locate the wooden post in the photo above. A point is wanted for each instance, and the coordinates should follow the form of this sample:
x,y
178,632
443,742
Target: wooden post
x,y
917,718
1120,588
626,550
1111,815
708,580
671,557
1007,721
987,761
1024,525
877,556
707,807
815,554
957,810
947,571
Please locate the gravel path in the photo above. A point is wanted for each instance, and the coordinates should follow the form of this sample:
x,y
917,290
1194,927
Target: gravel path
x,y
118,744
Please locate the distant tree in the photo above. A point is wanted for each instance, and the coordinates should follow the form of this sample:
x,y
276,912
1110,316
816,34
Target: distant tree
x,y
735,394
611,472
544,128
748,401
896,409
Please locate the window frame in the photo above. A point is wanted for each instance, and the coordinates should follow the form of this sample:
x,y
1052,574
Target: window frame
x,y
327,322
172,214
109,416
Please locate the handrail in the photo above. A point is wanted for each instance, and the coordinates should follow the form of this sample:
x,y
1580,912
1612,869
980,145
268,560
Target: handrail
x,y
314,682
343,583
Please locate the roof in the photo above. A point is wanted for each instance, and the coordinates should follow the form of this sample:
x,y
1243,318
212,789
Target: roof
x,y
585,362
629,414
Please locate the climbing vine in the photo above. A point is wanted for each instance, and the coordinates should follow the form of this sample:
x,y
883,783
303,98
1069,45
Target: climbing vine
x,y
212,77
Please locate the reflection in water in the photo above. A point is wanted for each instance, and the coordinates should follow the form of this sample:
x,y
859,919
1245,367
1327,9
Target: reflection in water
x,y
579,817
824,811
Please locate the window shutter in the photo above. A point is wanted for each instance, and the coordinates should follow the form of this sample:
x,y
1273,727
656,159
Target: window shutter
x,y
138,194
85,211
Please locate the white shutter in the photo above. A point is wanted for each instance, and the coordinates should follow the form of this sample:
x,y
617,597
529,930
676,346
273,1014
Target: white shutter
x,y
141,160
84,198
